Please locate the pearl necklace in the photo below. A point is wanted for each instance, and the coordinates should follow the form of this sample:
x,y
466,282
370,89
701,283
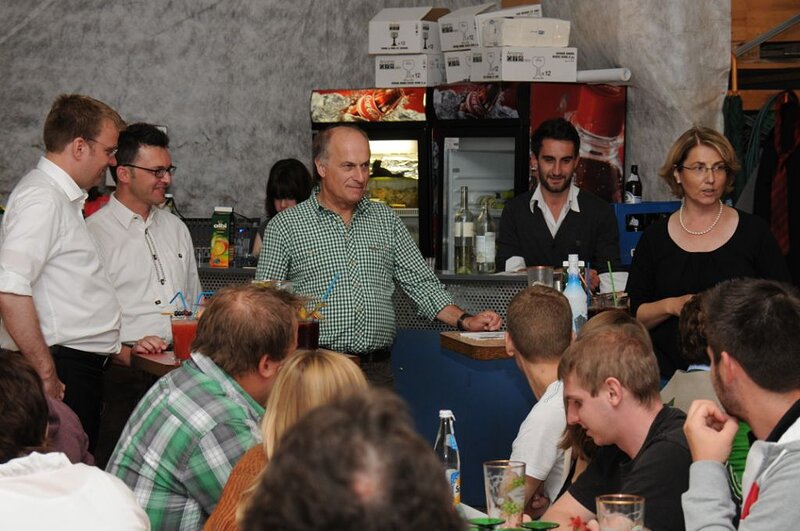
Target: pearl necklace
x,y
699,232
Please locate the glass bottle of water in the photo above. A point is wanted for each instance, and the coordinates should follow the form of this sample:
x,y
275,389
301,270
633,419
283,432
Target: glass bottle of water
x,y
446,450
485,236
464,237
576,295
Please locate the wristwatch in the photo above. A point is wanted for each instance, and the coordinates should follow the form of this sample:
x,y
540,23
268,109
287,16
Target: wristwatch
x,y
460,322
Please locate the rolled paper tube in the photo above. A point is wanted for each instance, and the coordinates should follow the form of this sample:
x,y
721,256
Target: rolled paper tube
x,y
605,75
613,287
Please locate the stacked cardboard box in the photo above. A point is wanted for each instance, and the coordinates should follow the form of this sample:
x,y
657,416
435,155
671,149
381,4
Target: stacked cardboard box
x,y
405,42
517,44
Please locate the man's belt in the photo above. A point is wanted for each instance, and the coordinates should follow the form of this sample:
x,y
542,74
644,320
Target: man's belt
x,y
372,356
86,358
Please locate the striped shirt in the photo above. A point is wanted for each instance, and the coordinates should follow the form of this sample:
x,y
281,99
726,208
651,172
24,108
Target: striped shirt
x,y
182,441
309,244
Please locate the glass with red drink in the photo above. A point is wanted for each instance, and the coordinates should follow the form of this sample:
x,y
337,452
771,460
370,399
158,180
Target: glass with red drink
x,y
184,329
308,333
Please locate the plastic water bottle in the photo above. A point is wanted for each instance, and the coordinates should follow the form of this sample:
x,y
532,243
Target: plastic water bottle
x,y
447,451
575,294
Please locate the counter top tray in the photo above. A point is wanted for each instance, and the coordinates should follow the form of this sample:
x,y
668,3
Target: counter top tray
x,y
478,349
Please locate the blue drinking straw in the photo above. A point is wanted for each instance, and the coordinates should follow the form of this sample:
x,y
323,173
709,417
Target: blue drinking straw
x,y
200,296
183,299
331,285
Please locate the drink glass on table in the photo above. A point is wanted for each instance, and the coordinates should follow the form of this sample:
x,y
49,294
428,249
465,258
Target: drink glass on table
x,y
540,275
184,330
620,512
607,301
504,481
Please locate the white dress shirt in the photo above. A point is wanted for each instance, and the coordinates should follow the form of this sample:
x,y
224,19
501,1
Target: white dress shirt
x,y
46,492
148,262
47,253
552,223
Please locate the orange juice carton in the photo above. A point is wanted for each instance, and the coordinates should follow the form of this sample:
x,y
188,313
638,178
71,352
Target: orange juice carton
x,y
222,237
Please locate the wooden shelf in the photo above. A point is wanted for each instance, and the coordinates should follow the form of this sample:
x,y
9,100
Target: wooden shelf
x,y
768,65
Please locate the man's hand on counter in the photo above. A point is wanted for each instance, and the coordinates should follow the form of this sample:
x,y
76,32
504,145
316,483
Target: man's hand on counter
x,y
486,320
454,316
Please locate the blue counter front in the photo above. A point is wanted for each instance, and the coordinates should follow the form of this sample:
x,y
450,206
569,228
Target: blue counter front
x,y
490,399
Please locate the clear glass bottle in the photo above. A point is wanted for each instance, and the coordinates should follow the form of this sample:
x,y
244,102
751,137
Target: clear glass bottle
x,y
633,187
464,237
576,295
485,237
446,450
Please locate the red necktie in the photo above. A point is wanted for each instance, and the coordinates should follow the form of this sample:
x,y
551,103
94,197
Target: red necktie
x,y
785,143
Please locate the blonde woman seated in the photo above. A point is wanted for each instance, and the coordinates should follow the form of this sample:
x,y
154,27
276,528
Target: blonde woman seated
x,y
307,379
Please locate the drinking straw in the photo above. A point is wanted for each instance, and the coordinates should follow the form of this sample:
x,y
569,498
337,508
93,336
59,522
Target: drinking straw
x,y
330,287
183,300
588,274
200,296
613,288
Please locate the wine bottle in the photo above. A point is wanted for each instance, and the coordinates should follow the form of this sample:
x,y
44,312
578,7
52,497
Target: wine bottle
x,y
633,188
464,237
485,236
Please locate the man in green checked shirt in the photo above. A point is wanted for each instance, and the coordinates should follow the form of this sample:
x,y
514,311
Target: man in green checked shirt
x,y
184,437
338,231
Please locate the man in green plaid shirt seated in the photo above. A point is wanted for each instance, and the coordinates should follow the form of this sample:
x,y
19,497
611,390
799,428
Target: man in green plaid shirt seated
x,y
190,429
339,233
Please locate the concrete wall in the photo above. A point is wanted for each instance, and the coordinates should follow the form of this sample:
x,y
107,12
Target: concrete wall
x,y
231,80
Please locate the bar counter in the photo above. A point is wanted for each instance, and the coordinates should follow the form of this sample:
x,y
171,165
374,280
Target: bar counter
x,y
488,395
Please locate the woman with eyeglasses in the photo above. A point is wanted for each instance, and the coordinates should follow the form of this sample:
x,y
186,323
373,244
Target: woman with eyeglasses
x,y
289,183
700,245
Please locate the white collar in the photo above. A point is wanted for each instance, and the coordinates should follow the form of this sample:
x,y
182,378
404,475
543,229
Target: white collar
x,y
125,215
34,463
572,198
62,179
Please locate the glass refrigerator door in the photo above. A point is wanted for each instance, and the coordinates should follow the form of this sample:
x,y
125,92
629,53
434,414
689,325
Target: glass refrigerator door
x,y
483,164
394,179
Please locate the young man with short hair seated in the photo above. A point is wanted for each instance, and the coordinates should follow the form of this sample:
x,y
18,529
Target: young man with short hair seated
x,y
611,388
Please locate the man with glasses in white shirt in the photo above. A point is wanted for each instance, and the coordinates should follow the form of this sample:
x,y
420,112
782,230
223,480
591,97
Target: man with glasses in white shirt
x,y
148,255
57,305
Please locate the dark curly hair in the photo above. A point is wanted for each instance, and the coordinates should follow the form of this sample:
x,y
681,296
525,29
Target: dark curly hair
x,y
23,407
356,463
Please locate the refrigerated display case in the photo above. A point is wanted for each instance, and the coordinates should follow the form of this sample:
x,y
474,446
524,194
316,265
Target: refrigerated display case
x,y
479,140
395,121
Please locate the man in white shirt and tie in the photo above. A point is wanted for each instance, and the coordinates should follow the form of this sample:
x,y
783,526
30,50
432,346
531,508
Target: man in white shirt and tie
x,y
57,305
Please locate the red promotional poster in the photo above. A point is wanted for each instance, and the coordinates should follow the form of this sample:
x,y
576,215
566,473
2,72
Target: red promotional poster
x,y
476,101
598,113
368,105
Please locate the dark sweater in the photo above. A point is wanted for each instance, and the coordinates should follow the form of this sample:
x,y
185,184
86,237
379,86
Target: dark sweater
x,y
592,234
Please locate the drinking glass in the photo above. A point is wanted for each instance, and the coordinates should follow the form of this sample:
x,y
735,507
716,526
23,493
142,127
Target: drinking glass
x,y
505,490
540,275
184,330
620,512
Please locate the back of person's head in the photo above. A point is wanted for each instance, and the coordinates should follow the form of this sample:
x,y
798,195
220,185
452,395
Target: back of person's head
x,y
555,129
76,116
243,323
288,179
539,323
306,380
356,463
135,136
23,407
615,319
621,351
756,322
692,332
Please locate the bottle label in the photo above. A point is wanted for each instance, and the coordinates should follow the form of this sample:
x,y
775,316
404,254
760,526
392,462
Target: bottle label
x,y
490,246
465,229
454,479
632,199
451,441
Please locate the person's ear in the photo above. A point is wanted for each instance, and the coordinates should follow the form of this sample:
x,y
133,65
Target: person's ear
x,y
613,390
510,348
79,148
268,368
124,174
728,368
321,168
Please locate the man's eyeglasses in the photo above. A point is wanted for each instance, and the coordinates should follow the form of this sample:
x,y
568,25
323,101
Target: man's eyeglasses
x,y
110,150
160,173
700,170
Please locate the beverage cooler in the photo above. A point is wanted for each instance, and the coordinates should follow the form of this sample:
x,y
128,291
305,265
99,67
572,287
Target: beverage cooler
x,y
395,121
479,140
